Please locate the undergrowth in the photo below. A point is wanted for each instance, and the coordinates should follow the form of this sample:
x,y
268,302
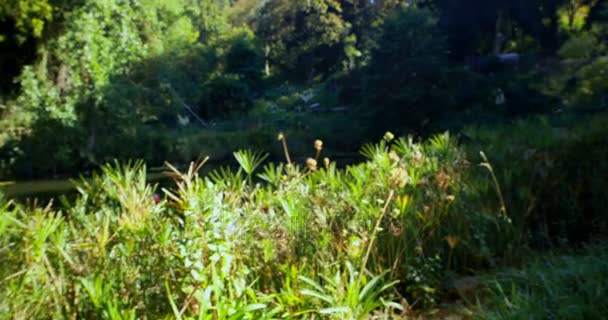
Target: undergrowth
x,y
380,239
572,286
265,241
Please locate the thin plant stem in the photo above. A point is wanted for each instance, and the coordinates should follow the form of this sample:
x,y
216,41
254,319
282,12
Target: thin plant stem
x,y
375,232
486,164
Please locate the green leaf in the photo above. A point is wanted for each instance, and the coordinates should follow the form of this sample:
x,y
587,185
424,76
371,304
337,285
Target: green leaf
x,y
333,310
318,295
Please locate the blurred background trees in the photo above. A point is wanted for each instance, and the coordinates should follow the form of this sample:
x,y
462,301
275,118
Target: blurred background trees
x,y
108,72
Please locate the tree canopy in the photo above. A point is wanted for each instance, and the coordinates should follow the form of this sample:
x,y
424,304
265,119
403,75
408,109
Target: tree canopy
x,y
107,71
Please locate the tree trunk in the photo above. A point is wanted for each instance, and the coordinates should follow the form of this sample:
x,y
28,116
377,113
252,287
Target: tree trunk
x,y
501,36
267,60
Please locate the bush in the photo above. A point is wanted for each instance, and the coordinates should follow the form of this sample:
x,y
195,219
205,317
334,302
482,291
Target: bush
x,y
581,46
591,85
301,241
224,95
53,148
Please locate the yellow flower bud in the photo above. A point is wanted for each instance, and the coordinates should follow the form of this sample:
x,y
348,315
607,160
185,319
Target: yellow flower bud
x,y
318,145
452,241
389,136
311,164
326,162
450,198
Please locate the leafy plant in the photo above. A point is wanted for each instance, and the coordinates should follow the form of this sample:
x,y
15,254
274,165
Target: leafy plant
x,y
249,161
349,295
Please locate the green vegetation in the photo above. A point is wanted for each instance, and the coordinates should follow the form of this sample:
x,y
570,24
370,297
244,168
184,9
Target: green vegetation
x,y
89,82
499,114
560,287
383,237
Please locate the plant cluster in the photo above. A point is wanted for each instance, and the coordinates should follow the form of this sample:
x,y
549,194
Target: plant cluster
x,y
264,241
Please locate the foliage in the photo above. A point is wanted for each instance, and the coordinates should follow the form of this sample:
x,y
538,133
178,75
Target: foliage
x,y
93,82
303,36
549,176
29,17
317,240
406,80
570,286
108,77
305,240
117,73
590,88
349,296
582,46
490,27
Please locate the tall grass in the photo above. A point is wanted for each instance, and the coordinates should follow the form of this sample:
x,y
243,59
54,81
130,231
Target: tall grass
x,y
573,286
551,175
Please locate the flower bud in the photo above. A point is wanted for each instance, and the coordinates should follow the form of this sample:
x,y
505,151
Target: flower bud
x,y
318,145
398,178
389,136
311,164
452,241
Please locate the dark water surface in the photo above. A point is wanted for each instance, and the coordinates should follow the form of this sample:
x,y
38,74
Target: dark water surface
x,y
46,189
51,188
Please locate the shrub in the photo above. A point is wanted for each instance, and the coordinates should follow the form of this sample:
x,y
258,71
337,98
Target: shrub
x,y
255,243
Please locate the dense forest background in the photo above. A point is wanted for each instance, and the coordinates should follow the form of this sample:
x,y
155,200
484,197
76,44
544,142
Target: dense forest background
x,y
88,81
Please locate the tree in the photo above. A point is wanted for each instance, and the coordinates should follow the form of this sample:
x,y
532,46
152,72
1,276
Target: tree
x,y
481,27
365,19
406,81
29,17
303,37
25,25
316,38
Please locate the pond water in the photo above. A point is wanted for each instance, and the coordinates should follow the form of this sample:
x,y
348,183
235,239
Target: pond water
x,y
47,189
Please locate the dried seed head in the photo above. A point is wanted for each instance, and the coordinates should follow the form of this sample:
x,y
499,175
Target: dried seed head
x,y
393,156
389,136
280,136
194,306
399,178
442,179
396,229
326,162
311,164
318,145
452,241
